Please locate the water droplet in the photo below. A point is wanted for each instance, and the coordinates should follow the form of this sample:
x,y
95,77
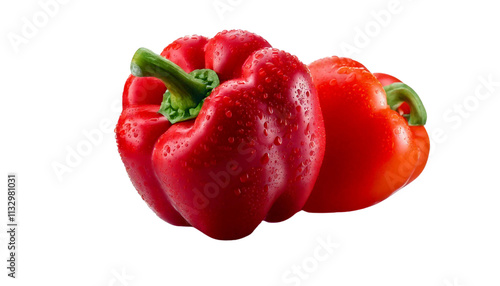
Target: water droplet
x,y
333,82
342,70
264,159
237,192
262,72
208,117
268,79
176,46
270,109
351,77
230,140
229,114
278,140
244,178
259,56
265,132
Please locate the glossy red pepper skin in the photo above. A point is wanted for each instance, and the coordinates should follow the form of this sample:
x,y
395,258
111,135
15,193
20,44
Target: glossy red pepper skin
x,y
421,137
252,154
371,151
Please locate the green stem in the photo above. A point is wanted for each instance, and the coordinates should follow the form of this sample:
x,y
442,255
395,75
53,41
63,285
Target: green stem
x,y
186,91
397,93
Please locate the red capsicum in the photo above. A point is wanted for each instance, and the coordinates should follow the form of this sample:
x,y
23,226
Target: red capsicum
x,y
376,141
221,133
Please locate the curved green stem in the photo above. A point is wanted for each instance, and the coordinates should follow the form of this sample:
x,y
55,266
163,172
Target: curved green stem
x,y
397,93
185,91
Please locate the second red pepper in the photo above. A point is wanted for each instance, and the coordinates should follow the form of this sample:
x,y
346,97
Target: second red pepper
x,y
376,142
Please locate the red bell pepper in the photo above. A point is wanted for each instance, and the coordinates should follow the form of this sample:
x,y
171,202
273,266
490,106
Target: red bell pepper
x,y
376,142
221,158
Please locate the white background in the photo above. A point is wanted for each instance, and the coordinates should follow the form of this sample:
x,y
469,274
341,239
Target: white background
x,y
90,226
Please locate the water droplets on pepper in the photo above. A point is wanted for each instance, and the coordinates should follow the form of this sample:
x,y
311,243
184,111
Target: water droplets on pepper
x,y
237,191
264,159
244,177
351,77
278,141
